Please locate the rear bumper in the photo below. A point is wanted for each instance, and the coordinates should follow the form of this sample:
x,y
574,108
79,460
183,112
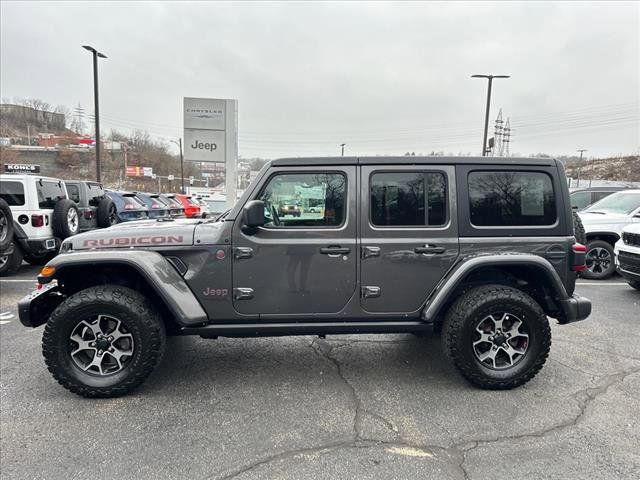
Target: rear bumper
x,y
40,245
574,309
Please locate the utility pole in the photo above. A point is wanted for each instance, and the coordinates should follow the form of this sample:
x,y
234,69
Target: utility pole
x,y
581,150
96,54
486,115
179,143
342,146
29,135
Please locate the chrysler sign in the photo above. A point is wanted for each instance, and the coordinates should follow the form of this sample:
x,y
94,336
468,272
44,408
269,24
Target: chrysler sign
x,y
210,130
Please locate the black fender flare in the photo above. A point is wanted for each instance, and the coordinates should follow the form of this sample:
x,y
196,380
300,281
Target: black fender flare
x,y
446,288
163,278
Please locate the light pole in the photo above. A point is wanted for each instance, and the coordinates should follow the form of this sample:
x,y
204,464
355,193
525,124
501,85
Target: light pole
x,y
486,115
179,143
96,107
581,150
342,146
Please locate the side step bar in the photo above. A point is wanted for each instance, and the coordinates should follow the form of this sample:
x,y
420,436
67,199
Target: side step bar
x,y
309,328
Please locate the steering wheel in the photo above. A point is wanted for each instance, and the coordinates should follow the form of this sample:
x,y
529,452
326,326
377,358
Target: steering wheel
x,y
274,214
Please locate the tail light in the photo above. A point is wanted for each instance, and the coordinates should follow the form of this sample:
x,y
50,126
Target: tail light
x,y
155,205
579,257
37,220
128,206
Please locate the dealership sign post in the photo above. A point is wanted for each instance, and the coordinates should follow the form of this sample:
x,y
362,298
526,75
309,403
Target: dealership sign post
x,y
211,136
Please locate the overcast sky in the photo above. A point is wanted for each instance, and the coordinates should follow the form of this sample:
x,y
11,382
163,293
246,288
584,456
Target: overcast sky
x,y
383,78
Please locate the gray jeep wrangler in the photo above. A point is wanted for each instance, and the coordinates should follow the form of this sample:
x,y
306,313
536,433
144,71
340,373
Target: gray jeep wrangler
x,y
479,250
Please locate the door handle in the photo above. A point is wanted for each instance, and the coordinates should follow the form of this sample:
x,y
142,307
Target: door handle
x,y
335,250
429,249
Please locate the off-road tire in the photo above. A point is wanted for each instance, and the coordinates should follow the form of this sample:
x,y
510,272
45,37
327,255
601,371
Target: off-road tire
x,y
12,263
134,311
6,225
578,229
60,223
469,309
586,273
39,259
106,214
634,283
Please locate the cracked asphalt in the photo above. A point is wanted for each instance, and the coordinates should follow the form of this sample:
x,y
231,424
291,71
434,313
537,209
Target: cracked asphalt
x,y
362,407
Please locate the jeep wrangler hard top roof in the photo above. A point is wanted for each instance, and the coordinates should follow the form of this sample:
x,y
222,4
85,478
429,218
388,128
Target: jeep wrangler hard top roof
x,y
411,160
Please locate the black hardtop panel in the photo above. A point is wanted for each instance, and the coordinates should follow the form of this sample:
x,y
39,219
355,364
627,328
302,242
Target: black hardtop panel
x,y
404,160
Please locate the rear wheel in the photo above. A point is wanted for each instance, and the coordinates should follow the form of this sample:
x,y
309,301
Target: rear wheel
x,y
106,214
103,341
498,337
578,229
599,260
9,264
6,225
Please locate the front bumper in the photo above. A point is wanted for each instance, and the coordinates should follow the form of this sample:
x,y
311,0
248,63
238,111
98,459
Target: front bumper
x,y
34,309
574,309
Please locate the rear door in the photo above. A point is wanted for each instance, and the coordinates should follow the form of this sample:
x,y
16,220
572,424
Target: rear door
x,y
409,234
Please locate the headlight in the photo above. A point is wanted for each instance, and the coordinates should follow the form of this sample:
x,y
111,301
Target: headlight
x,y
66,246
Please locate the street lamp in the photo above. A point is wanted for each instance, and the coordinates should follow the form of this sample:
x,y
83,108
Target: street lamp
x,y
342,146
96,107
179,143
486,116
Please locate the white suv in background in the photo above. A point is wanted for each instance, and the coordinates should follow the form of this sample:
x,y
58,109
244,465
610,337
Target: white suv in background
x,y
42,215
603,224
627,251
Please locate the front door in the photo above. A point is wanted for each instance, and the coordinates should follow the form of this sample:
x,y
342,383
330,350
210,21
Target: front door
x,y
303,260
409,234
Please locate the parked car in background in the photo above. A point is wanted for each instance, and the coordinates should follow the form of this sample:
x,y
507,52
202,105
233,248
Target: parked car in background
x,y
289,208
95,209
157,207
176,210
627,251
128,207
582,198
603,224
216,204
42,216
204,207
191,208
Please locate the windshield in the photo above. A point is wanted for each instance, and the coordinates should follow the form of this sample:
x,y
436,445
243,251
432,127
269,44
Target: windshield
x,y
622,203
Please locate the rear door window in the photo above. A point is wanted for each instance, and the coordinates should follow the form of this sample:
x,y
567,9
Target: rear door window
x,y
511,198
408,199
49,192
12,193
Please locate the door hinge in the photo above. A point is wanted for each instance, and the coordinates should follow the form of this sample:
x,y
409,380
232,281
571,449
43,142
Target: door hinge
x,y
370,291
242,252
370,252
242,293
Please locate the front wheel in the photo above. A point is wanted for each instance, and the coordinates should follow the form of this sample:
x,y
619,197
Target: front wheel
x,y
103,341
497,336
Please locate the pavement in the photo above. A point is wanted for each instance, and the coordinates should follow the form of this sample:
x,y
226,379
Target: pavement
x,y
362,407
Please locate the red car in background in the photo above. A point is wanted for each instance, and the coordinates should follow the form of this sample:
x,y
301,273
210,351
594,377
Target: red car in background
x,y
191,207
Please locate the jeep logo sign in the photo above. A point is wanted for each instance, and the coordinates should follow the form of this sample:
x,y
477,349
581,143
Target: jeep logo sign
x,y
204,145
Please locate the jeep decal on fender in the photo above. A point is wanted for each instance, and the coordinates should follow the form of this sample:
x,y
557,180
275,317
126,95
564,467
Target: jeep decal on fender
x,y
129,241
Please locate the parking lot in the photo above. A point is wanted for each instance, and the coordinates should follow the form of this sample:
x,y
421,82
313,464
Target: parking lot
x,y
345,407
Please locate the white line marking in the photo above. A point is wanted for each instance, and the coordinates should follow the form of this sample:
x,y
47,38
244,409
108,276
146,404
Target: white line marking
x,y
6,316
4,322
34,281
603,284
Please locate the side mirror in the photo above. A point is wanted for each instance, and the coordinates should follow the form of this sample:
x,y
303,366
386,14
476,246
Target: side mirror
x,y
253,213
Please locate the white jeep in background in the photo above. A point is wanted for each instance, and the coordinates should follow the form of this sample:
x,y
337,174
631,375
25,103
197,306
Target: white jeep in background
x,y
42,215
603,223
627,251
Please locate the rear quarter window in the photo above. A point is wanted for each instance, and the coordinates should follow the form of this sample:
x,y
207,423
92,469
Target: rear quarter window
x,y
49,192
12,193
511,198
